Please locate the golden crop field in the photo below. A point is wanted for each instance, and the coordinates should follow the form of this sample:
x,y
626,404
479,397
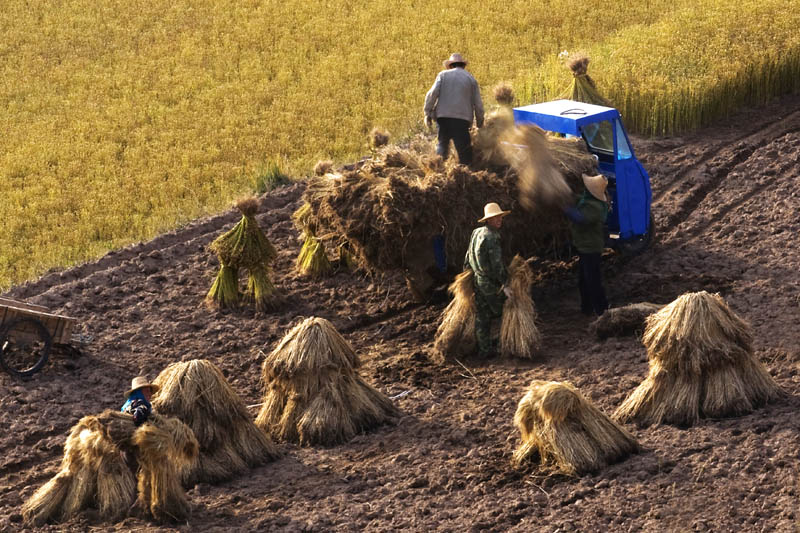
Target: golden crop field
x,y
124,119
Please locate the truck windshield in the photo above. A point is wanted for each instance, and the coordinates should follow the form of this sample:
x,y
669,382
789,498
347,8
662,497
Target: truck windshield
x,y
600,136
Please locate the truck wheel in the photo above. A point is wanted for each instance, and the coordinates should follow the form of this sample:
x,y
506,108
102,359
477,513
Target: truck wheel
x,y
640,244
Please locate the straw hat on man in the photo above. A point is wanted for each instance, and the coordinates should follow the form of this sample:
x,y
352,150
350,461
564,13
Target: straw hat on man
x,y
452,101
137,400
587,219
485,259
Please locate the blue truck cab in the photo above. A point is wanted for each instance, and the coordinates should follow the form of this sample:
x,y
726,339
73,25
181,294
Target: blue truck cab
x,y
630,221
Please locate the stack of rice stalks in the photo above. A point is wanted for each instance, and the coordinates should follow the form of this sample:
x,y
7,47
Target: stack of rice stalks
x,y
245,246
620,321
701,365
391,208
583,88
519,336
197,393
312,393
95,470
560,427
456,333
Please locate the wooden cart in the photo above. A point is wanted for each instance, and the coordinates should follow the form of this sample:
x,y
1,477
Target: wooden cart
x,y
27,332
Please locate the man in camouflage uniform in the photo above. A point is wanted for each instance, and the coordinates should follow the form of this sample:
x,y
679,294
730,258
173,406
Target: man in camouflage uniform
x,y
484,257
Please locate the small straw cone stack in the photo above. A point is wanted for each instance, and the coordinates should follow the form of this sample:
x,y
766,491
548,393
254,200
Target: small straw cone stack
x,y
312,393
94,470
196,392
583,88
701,365
456,332
567,432
540,180
519,336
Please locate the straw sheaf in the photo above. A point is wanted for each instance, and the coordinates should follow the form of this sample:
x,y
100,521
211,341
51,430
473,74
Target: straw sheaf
x,y
563,430
244,246
625,320
312,260
94,472
378,138
583,88
503,94
519,336
456,332
701,365
487,141
261,291
312,394
197,393
248,206
224,292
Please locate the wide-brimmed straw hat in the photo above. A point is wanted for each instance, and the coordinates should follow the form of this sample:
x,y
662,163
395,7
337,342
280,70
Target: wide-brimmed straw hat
x,y
454,58
491,210
596,185
139,382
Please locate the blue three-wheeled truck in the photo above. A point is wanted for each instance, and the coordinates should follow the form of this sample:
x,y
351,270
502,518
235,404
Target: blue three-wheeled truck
x,y
630,222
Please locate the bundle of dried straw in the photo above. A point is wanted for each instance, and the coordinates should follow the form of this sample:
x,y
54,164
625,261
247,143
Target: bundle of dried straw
x,y
583,88
626,320
94,470
701,365
519,336
456,332
312,393
197,393
566,431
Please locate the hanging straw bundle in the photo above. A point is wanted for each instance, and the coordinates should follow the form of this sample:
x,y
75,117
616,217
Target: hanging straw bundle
x,y
196,392
503,94
566,431
540,180
583,88
94,470
621,321
488,141
456,333
519,336
312,393
701,365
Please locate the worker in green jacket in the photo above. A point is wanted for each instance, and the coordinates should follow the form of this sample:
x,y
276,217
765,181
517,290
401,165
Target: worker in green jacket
x,y
587,226
485,259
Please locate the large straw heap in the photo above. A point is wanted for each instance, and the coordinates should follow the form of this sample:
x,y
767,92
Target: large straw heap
x,y
245,246
701,365
519,336
583,88
312,393
94,471
621,321
390,208
197,393
456,332
567,432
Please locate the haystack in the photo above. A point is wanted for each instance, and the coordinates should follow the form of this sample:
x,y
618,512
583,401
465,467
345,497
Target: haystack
x,y
245,246
567,432
583,88
197,393
621,321
456,333
519,336
94,471
312,393
701,365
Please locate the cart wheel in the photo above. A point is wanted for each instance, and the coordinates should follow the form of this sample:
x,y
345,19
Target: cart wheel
x,y
24,346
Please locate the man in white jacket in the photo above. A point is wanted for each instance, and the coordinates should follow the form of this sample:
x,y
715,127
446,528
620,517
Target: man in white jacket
x,y
452,102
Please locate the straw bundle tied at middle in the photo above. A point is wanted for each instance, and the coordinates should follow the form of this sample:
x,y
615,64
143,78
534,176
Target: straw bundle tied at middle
x,y
519,336
456,332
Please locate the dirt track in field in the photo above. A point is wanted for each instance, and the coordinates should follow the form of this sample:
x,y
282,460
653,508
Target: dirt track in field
x,y
726,201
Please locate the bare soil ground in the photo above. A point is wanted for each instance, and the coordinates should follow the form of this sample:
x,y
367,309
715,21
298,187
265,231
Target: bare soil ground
x,y
726,201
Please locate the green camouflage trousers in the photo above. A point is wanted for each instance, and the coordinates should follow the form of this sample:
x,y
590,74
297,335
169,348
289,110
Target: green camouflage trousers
x,y
489,300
